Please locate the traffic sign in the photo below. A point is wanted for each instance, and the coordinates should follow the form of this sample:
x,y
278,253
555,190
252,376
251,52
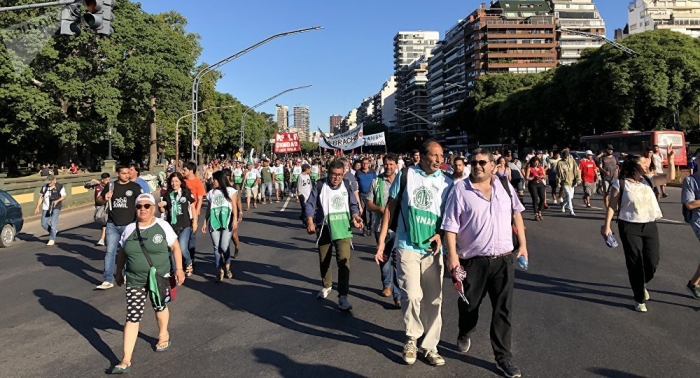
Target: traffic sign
x,y
195,142
238,155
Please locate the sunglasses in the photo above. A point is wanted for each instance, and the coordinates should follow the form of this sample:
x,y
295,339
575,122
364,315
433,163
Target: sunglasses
x,y
480,162
146,206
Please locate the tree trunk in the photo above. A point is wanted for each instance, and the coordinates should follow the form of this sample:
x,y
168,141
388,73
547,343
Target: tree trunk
x,y
153,154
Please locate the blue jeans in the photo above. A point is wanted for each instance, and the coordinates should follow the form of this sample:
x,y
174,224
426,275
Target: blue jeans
x,y
50,223
388,268
221,240
183,238
112,235
192,244
367,216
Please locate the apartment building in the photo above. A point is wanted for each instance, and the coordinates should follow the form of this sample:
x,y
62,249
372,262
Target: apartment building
x,y
387,97
682,16
282,117
301,121
579,15
335,120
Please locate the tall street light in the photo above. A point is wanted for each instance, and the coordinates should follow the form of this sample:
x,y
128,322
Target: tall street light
x,y
261,104
204,71
177,129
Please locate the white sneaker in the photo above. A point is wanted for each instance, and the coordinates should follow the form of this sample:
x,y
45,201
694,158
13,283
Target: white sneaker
x,y
646,295
563,209
640,307
101,242
105,285
324,292
343,303
464,345
573,214
50,242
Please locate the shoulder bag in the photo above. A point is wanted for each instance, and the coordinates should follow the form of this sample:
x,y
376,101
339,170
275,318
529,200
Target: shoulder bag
x,y
162,290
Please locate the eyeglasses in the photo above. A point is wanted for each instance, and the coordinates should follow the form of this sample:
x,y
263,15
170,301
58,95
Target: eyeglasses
x,y
480,162
146,206
335,175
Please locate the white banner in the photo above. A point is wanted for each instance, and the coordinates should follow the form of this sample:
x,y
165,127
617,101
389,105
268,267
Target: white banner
x,y
375,139
348,140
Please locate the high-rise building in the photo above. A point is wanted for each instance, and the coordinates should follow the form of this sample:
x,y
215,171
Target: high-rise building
x,y
365,112
411,51
301,121
349,122
412,98
282,116
682,16
579,15
387,96
335,122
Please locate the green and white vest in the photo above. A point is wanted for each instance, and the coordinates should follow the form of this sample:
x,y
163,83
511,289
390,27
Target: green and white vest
x,y
237,176
336,211
250,179
295,173
314,172
425,198
279,173
220,208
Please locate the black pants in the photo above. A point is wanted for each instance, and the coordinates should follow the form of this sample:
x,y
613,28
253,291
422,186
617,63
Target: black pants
x,y
536,190
302,202
495,277
641,244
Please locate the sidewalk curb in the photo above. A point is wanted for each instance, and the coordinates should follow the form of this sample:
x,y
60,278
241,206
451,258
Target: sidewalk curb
x,y
69,210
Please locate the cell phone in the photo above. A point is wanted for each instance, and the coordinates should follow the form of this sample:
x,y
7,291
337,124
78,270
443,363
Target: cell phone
x,y
434,245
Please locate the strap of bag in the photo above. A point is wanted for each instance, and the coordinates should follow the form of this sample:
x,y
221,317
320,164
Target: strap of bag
x,y
402,187
143,247
504,182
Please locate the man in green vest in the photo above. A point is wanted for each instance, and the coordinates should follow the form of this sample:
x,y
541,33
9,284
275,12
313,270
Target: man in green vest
x,y
419,199
331,210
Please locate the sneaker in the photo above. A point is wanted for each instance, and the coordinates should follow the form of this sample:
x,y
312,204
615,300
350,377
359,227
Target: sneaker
x,y
509,370
101,242
397,303
588,205
235,253
369,232
343,303
105,285
640,307
434,358
693,289
646,295
50,242
664,195
386,292
410,351
324,292
464,344
563,209
573,214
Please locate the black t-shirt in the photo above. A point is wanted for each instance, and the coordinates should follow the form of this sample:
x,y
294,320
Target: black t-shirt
x,y
184,200
123,202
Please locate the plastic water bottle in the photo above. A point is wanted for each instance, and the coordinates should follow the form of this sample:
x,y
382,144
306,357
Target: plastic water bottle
x,y
522,261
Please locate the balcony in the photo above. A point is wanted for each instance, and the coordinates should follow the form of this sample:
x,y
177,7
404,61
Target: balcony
x,y
521,64
521,55
511,36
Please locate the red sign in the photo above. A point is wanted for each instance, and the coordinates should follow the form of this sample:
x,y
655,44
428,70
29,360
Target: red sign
x,y
287,142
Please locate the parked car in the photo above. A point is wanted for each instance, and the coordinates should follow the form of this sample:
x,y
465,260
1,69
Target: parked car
x,y
11,220
578,155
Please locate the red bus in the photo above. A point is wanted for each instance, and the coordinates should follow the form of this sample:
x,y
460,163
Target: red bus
x,y
635,142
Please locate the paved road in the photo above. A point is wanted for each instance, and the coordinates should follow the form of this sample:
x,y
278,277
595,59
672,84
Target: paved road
x,y
573,310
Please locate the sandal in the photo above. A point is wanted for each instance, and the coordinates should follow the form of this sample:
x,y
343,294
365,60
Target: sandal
x,y
165,348
220,276
189,270
229,274
121,370
235,253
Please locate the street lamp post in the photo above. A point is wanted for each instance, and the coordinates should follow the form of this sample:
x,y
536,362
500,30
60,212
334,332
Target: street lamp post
x,y
260,104
177,129
109,152
198,77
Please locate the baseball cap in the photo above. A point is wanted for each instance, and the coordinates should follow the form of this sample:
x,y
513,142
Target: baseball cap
x,y
589,152
50,178
170,170
146,197
610,147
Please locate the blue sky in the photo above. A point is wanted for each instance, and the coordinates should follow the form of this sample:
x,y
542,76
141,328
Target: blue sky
x,y
349,60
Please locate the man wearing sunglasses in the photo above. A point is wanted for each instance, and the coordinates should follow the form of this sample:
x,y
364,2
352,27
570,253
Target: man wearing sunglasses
x,y
421,196
478,235
121,199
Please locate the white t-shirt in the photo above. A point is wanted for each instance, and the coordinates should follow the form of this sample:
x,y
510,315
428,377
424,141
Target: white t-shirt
x,y
638,203
400,164
658,163
47,197
170,235
304,185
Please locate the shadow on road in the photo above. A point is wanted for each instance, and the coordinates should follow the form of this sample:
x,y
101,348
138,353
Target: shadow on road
x,y
611,373
287,367
70,264
83,318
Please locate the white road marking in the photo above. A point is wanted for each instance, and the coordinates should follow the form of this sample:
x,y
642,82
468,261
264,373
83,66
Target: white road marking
x,y
286,203
671,221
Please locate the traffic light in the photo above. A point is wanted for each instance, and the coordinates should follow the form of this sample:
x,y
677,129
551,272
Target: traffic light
x,y
70,20
99,16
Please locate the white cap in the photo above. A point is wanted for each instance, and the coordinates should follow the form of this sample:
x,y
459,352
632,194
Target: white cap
x,y
146,197
589,152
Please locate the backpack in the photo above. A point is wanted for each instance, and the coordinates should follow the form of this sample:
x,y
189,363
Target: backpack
x,y
688,214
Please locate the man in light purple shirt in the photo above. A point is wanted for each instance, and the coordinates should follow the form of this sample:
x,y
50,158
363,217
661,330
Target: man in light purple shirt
x,y
479,237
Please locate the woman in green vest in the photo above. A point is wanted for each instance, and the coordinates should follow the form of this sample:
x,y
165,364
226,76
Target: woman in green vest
x,y
221,220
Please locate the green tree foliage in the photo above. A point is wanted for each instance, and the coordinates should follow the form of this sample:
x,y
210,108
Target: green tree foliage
x,y
61,104
606,90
